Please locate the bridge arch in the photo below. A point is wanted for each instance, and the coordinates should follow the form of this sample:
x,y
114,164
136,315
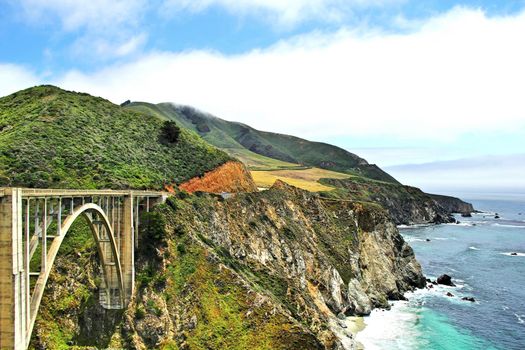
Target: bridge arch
x,y
90,212
25,217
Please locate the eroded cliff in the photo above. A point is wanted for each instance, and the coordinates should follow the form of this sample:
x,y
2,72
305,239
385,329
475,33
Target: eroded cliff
x,y
406,205
452,204
268,270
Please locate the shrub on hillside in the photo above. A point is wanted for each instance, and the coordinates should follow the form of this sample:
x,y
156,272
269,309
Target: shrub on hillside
x,y
170,132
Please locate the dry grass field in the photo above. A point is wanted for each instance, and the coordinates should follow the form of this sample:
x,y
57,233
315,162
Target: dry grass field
x,y
305,178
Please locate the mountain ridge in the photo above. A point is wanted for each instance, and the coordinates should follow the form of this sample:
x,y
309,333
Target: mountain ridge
x,y
366,182
243,141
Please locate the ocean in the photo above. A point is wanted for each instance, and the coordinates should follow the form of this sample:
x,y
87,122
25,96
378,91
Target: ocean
x,y
477,254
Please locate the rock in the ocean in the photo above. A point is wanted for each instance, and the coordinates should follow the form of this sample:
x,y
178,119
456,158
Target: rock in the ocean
x,y
496,216
445,280
449,294
471,299
514,254
428,239
466,215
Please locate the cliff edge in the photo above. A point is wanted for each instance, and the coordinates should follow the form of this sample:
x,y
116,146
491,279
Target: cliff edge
x,y
407,205
265,270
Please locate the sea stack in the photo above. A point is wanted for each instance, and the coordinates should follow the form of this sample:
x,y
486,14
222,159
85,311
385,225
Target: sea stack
x,y
445,280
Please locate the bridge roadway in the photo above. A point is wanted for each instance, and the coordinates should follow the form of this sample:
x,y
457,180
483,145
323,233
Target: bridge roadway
x,y
33,218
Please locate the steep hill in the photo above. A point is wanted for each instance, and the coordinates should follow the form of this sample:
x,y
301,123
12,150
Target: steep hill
x,y
250,145
55,138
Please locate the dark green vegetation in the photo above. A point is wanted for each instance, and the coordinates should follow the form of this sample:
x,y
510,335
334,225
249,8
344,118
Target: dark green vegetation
x,y
170,132
260,149
55,138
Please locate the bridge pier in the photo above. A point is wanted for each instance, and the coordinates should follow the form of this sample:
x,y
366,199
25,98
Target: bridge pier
x,y
13,315
127,246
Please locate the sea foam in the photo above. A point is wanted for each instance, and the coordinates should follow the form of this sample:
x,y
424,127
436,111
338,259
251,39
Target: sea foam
x,y
509,225
512,254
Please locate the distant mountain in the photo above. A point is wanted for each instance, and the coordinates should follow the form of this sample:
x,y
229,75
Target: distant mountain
x,y
484,174
263,150
50,137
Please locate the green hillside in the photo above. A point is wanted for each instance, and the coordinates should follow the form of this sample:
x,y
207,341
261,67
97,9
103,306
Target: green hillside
x,y
261,150
55,138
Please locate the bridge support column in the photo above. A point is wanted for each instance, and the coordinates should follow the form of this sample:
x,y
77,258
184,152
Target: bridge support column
x,y
13,293
127,248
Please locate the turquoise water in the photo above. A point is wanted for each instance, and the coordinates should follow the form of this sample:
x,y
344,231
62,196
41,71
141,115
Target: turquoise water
x,y
476,253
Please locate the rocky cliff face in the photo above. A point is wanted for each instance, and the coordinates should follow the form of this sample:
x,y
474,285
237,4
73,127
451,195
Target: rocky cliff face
x,y
230,177
407,205
268,270
453,205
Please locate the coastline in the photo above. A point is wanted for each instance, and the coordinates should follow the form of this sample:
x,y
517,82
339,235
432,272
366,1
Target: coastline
x,y
481,254
379,330
347,330
356,324
376,331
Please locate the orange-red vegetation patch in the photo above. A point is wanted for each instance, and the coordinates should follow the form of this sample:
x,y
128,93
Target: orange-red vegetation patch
x,y
230,177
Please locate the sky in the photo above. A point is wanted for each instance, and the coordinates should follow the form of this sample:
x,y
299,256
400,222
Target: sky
x,y
432,90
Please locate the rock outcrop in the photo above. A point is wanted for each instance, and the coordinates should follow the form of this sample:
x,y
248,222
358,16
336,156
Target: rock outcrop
x,y
445,280
453,205
262,270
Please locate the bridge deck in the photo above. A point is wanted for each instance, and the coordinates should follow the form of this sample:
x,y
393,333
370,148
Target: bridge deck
x,y
38,192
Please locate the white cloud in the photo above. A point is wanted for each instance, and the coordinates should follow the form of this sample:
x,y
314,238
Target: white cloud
x,y
108,28
104,48
97,15
287,12
460,72
14,78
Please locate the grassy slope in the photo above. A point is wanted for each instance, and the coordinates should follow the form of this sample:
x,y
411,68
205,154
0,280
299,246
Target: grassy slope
x,y
219,136
54,138
264,150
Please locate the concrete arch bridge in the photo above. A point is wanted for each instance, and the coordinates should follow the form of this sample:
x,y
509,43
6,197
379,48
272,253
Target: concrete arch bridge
x,y
41,218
